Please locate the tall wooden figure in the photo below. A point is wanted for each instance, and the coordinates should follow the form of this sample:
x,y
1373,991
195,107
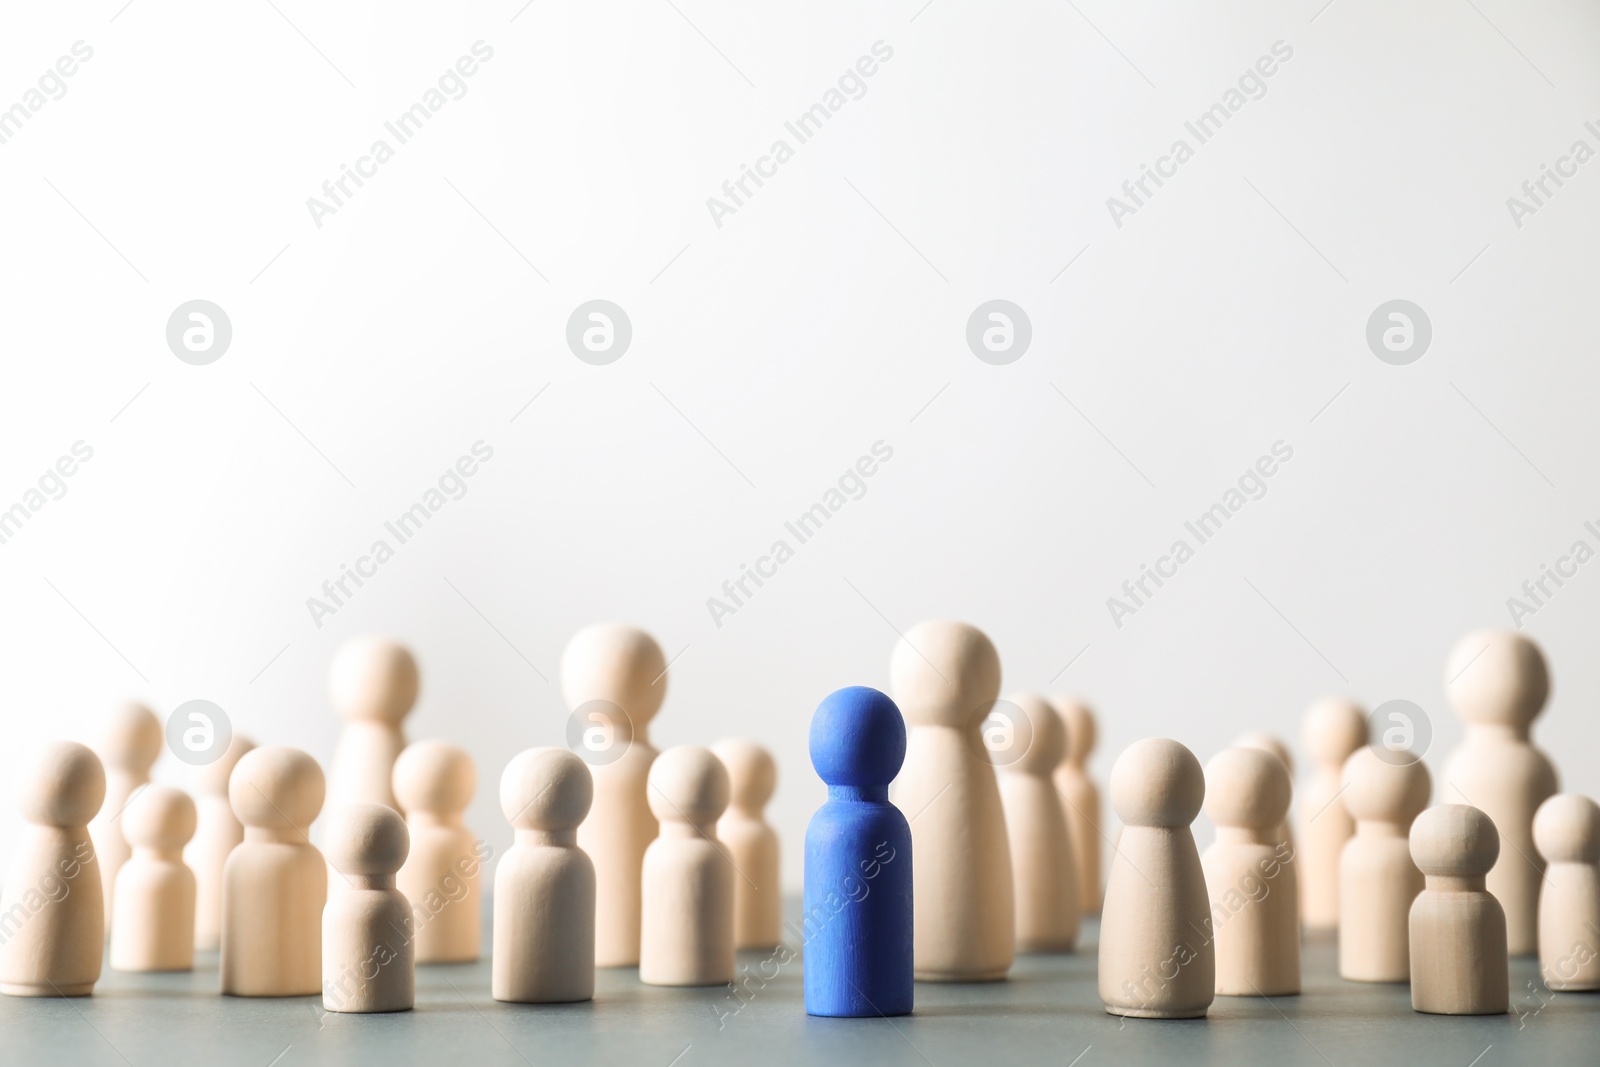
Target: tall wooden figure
x,y
1458,944
1498,682
686,927
54,878
1331,730
129,748
751,843
372,684
614,679
368,961
1080,799
858,926
1385,790
217,833
945,677
544,887
1156,961
434,783
1567,830
1044,867
155,888
1250,879
276,882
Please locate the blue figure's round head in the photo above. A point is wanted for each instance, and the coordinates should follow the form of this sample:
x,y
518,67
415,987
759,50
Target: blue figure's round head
x,y
858,738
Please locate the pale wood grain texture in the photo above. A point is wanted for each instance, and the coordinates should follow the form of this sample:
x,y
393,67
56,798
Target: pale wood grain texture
x,y
1080,799
1044,871
1331,730
1566,829
1458,930
217,833
686,929
372,685
433,783
1384,792
129,747
155,893
751,843
368,962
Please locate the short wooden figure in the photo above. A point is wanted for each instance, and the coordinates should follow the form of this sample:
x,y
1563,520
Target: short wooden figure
x,y
155,888
1266,742
1331,730
686,928
372,684
368,963
1044,870
1384,792
1458,943
858,927
129,747
434,783
752,844
216,834
544,888
1157,959
53,947
1080,799
1567,830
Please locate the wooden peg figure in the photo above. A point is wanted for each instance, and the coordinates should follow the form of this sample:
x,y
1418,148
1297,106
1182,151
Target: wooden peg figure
x,y
1498,682
1266,742
1384,791
275,883
858,928
544,888
1255,902
372,684
1080,799
1044,870
686,929
1458,954
1156,960
752,844
368,962
128,749
614,679
155,893
945,677
1567,830
217,833
434,783
1331,730
55,948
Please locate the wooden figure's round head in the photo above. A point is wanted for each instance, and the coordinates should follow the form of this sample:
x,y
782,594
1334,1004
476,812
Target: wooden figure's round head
x,y
688,784
1500,679
373,679
752,772
1454,841
858,738
618,664
366,840
1332,729
159,817
1265,742
1247,788
1157,782
214,775
1566,829
1082,733
277,788
547,789
63,784
944,673
1379,790
132,739
434,776
1047,740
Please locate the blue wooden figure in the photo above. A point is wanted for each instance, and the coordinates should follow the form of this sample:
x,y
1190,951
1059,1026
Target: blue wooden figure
x,y
857,924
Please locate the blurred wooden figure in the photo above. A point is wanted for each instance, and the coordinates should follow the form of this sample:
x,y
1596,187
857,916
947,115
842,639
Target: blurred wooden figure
x,y
155,893
129,747
1080,799
1458,943
544,888
275,883
1044,869
1266,742
1250,881
217,833
434,783
1331,730
1384,790
1498,682
686,929
1567,830
752,844
368,963
372,684
614,679
55,949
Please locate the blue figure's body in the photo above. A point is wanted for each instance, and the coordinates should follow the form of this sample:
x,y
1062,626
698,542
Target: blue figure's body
x,y
857,924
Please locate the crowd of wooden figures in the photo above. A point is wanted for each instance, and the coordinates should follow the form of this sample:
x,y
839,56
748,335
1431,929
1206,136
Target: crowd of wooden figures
x,y
626,857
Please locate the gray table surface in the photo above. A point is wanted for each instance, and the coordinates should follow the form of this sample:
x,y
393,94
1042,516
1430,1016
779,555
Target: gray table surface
x,y
1048,1012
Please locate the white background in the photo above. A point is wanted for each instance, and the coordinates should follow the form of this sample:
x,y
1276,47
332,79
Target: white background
x,y
770,353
